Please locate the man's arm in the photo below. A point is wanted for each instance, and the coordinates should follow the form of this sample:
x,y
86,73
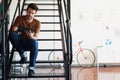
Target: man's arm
x,y
37,31
33,35
14,29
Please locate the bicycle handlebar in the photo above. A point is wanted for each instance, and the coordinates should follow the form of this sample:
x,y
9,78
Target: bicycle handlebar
x,y
80,42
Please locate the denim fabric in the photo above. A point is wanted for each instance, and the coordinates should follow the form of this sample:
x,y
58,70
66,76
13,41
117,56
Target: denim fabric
x,y
22,44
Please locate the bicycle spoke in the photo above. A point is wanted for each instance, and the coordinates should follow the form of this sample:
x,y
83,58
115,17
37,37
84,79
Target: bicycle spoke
x,y
86,58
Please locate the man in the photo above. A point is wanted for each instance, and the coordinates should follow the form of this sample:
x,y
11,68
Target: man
x,y
23,36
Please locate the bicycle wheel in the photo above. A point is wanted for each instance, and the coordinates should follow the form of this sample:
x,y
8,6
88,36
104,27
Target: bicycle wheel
x,y
55,57
86,58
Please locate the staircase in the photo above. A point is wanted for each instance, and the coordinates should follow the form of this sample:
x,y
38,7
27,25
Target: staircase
x,y
52,44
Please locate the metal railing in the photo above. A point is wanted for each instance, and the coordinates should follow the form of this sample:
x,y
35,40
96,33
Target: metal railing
x,y
65,23
4,25
5,35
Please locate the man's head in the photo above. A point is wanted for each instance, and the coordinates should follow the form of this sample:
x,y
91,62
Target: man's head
x,y
31,10
32,6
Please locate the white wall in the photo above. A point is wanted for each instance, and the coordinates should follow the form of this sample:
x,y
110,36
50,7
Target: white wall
x,y
90,19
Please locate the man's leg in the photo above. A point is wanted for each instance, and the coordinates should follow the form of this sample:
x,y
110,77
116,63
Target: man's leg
x,y
32,46
16,42
33,53
33,56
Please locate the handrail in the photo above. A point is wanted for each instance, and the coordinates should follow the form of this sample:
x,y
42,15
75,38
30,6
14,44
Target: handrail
x,y
67,31
5,14
65,23
69,36
22,7
4,54
66,11
5,38
19,13
3,21
17,7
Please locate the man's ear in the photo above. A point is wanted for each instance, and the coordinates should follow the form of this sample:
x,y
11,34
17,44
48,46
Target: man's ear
x,y
35,12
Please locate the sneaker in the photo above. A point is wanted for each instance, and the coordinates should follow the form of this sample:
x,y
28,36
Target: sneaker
x,y
31,73
23,60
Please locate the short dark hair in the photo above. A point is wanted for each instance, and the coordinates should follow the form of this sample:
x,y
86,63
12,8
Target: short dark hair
x,y
33,6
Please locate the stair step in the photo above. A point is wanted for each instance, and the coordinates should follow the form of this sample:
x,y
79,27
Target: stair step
x,y
47,49
42,0
50,22
46,9
50,30
50,49
46,15
42,61
49,39
38,75
43,4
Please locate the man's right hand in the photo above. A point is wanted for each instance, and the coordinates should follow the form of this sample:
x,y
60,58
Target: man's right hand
x,y
14,29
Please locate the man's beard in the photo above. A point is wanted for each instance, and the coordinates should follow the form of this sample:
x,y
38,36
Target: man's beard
x,y
29,17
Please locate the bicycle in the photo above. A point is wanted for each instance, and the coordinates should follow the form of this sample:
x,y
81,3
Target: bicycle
x,y
84,57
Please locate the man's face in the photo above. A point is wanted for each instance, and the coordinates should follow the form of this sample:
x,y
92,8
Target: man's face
x,y
30,13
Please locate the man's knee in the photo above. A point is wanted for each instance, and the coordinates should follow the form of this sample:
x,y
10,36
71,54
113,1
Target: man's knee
x,y
13,35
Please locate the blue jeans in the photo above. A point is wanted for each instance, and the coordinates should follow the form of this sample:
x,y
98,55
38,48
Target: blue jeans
x,y
22,44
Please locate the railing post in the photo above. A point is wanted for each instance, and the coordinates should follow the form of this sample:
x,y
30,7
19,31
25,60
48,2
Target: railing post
x,y
69,8
19,12
3,54
3,49
4,41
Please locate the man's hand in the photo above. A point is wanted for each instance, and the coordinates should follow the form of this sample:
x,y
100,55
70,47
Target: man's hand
x,y
29,34
14,29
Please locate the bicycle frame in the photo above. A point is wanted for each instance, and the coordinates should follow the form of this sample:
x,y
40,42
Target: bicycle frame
x,y
80,49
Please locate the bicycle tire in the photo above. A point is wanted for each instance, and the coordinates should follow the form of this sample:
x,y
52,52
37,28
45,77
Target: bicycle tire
x,y
51,57
88,60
